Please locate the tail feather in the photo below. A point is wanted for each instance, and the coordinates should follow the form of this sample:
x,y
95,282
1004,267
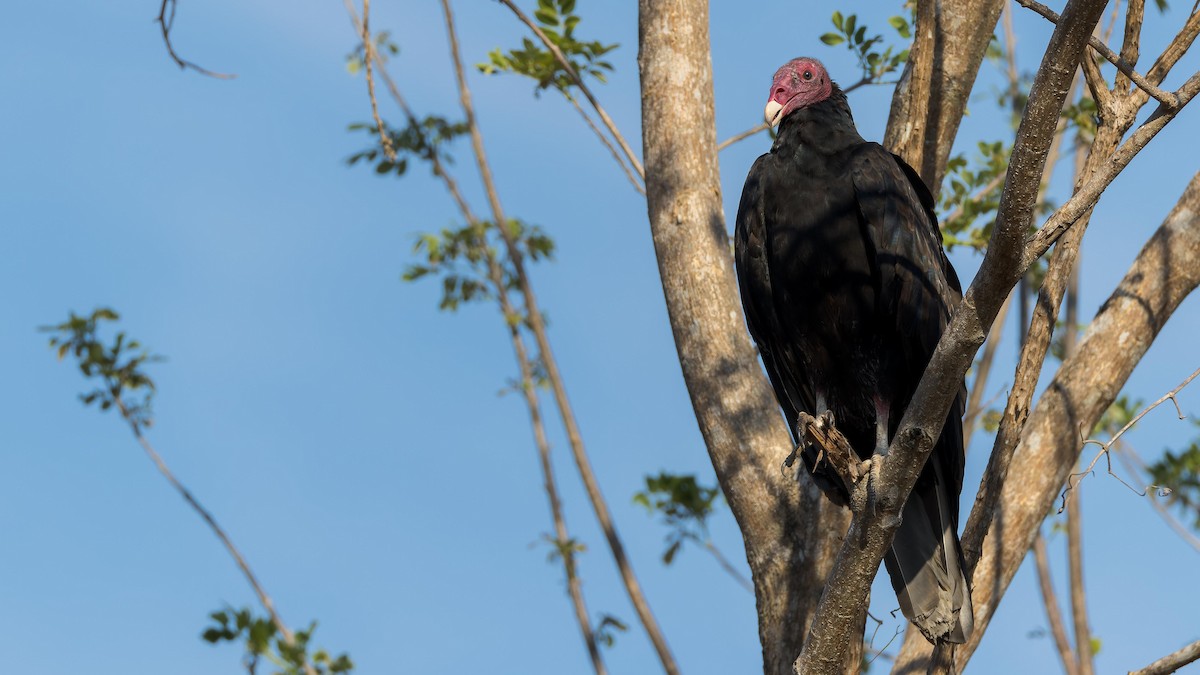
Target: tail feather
x,y
925,565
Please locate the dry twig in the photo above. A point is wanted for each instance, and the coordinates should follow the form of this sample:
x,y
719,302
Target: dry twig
x,y
1106,446
166,20
1050,602
1171,662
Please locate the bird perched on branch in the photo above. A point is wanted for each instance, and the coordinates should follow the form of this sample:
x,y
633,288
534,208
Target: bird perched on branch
x,y
847,290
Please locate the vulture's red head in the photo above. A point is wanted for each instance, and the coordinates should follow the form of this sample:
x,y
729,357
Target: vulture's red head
x,y
798,84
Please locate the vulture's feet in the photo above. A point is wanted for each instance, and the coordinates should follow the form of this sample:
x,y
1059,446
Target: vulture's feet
x,y
831,452
864,495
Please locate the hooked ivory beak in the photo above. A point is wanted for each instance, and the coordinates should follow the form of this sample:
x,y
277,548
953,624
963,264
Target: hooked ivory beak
x,y
772,112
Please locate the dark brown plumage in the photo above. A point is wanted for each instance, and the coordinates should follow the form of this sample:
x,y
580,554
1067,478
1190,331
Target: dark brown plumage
x,y
846,291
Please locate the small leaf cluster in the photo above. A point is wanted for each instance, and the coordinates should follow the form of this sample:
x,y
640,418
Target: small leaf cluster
x,y
558,21
607,629
875,64
563,548
263,641
462,258
423,139
1177,474
971,194
685,506
1084,116
384,46
118,365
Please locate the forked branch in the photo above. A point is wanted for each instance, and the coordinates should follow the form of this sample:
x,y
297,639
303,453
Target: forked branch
x,y
1169,99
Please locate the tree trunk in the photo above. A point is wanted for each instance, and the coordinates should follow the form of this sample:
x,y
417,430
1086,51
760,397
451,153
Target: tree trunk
x,y
791,531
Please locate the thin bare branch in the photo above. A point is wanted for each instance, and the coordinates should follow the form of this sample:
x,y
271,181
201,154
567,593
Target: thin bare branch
x,y
1083,632
1171,662
562,539
742,136
570,70
1079,616
263,599
1106,446
1168,99
166,20
637,185
537,325
727,566
1050,602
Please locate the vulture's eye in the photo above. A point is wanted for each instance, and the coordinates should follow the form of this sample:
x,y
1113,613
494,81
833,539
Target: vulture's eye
x,y
808,74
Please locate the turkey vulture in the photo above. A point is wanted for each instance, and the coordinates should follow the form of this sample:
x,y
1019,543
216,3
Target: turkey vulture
x,y
847,290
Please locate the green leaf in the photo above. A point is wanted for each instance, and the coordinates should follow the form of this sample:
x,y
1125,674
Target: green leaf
x,y
837,20
832,39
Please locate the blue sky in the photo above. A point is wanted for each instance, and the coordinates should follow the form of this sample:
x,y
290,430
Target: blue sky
x,y
348,434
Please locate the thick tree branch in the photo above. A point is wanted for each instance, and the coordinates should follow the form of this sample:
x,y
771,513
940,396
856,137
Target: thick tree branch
x,y
1171,662
1164,273
538,327
872,529
570,70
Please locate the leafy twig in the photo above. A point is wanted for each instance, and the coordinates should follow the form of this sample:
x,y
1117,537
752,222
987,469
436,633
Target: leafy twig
x,y
118,378
566,64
